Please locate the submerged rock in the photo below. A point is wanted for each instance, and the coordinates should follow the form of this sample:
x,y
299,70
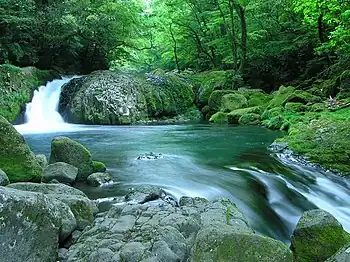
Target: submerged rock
x,y
150,156
32,225
157,230
4,180
64,149
98,179
16,159
318,236
62,172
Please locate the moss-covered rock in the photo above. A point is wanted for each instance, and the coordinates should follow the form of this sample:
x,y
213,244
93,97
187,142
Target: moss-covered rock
x,y
215,99
317,237
235,115
344,84
16,159
98,166
107,97
280,96
219,118
231,102
276,123
64,149
270,113
98,179
17,86
4,180
303,97
343,255
250,119
294,107
318,107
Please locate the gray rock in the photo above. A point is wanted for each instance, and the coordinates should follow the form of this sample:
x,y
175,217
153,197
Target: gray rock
x,y
64,149
32,225
42,160
62,172
150,156
62,253
160,231
4,180
98,179
318,236
343,255
82,207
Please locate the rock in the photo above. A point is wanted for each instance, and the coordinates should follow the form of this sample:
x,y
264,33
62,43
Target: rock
x,y
62,254
61,172
277,123
98,179
72,238
295,107
160,231
215,99
4,180
99,166
318,236
235,115
219,118
64,149
42,160
278,147
343,255
273,112
249,119
303,97
32,225
150,156
82,207
16,159
344,84
106,97
232,102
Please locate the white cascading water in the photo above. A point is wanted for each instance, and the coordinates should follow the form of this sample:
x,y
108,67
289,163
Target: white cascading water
x,y
42,113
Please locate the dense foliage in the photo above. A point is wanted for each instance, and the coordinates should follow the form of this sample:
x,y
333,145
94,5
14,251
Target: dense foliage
x,y
265,43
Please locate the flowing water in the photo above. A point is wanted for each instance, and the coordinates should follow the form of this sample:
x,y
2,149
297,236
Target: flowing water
x,y
207,161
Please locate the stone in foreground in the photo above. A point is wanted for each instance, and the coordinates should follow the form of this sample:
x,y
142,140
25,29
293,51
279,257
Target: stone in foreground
x,y
64,149
16,159
4,180
32,225
62,172
318,236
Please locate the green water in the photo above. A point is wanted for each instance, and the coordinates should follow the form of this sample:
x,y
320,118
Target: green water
x,y
212,161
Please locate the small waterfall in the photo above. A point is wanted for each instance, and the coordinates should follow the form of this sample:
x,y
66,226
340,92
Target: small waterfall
x,y
42,113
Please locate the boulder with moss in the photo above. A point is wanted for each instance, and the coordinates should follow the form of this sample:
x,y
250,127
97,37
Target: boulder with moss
x,y
294,107
231,102
16,159
62,172
106,97
99,166
98,179
344,84
250,119
17,86
235,115
4,180
318,236
32,225
219,118
343,255
215,99
64,149
277,123
273,112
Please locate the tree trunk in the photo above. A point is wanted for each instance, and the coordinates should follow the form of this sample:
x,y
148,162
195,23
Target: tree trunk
x,y
320,28
175,48
241,13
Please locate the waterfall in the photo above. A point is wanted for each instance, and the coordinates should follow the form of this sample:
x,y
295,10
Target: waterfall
x,y
42,113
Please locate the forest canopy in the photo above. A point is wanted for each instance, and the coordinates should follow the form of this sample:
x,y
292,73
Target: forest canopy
x,y
267,40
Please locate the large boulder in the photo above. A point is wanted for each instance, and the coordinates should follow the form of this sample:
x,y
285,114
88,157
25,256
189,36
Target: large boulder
x,y
82,207
98,179
318,236
16,159
62,172
106,97
232,102
32,225
64,149
215,99
4,180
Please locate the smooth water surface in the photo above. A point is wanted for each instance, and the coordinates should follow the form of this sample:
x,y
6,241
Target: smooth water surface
x,y
212,161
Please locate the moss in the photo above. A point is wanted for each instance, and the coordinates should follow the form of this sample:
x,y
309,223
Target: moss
x,y
294,107
344,84
63,149
16,159
280,96
318,107
98,166
259,99
276,123
215,100
16,87
219,118
299,96
235,115
270,113
249,119
205,110
231,102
